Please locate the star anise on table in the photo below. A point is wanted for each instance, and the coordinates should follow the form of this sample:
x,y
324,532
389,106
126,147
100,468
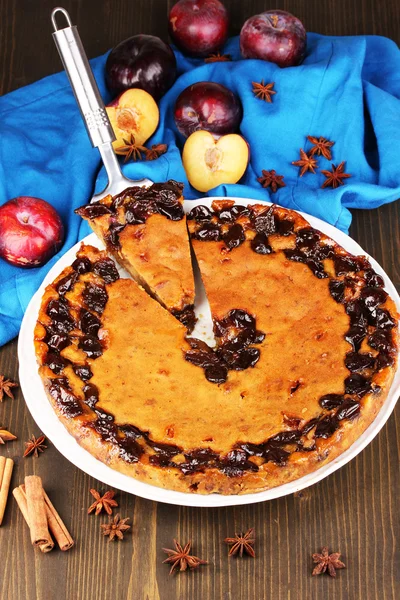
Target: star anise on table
x,y
131,149
306,162
35,446
242,542
321,147
155,151
115,528
181,559
263,90
6,436
271,179
5,387
334,177
213,58
106,501
326,561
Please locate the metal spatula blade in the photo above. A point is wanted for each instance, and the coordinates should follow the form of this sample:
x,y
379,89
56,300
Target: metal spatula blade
x,y
90,103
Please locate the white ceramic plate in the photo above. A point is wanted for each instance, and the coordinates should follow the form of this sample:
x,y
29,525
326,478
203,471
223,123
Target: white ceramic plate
x,y
47,421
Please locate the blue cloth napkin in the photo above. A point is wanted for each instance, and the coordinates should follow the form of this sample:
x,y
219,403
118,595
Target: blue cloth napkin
x,y
347,90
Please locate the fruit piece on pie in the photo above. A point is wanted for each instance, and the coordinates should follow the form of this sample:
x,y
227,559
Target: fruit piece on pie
x,y
145,230
307,348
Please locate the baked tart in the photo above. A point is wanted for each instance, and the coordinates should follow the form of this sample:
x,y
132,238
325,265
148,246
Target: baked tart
x,y
305,351
144,228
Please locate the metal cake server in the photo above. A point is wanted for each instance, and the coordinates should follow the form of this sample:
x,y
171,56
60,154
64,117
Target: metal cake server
x,y
90,104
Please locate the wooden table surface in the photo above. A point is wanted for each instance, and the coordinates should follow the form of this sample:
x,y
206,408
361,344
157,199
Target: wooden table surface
x,y
354,511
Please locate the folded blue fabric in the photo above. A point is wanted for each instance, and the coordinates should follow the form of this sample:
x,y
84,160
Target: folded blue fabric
x,y
347,90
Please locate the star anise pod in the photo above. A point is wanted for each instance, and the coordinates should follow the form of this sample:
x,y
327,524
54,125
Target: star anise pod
x,y
306,162
106,501
5,387
213,58
263,90
180,558
271,179
334,177
35,445
6,436
321,147
327,561
155,151
115,528
242,542
131,149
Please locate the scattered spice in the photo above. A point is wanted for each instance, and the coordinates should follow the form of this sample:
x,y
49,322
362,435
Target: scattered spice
x,y
326,561
180,558
242,542
334,177
321,147
271,179
306,162
263,90
6,436
5,387
106,501
155,151
115,528
213,58
35,446
131,149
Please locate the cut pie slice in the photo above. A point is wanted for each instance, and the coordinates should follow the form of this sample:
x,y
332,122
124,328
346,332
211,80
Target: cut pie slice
x,y
145,230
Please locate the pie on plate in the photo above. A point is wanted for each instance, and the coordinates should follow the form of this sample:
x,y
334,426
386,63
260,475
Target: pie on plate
x,y
305,351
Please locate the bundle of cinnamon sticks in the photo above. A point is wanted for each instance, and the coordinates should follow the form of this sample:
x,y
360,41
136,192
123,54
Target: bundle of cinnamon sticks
x,y
6,468
41,516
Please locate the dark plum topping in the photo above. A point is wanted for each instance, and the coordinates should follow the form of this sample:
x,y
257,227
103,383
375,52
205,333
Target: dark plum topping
x,y
174,212
208,232
357,384
326,427
201,358
264,222
324,251
234,237
384,360
58,341
198,344
136,213
82,265
345,264
105,427
95,297
62,322
373,279
277,455
284,226
336,289
200,214
67,403
356,362
89,323
307,238
355,336
106,269
309,425
186,316
373,297
357,313
229,215
141,203
348,410
315,266
112,237
197,460
383,319
83,372
239,318
285,437
164,453
130,450
242,359
216,373
91,394
55,362
260,243
67,283
330,401
91,346
381,340
235,463
92,211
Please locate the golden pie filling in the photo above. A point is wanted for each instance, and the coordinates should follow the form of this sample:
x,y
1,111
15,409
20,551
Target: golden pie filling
x,y
306,348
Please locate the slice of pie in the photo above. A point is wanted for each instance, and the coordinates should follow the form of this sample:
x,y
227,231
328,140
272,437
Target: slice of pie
x,y
145,230
306,351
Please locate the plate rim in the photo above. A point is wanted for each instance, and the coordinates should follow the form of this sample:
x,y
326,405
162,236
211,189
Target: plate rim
x,y
81,458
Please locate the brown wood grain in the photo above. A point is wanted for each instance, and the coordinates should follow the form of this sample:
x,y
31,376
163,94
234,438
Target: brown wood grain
x,y
355,510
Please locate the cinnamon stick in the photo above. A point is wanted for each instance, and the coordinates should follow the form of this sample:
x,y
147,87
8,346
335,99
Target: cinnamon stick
x,y
6,468
37,517
20,497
